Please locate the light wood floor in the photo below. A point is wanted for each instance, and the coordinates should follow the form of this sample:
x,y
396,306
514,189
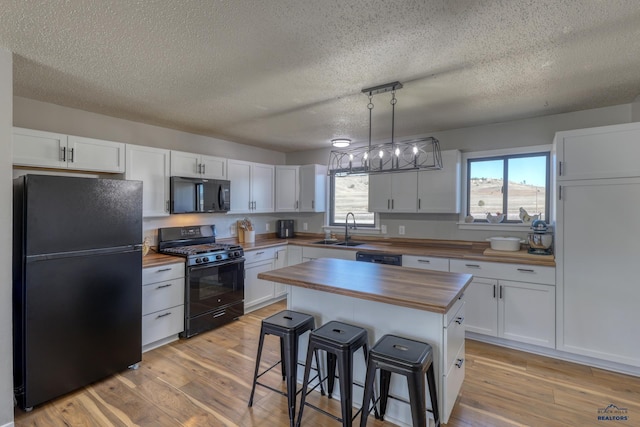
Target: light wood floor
x,y
206,380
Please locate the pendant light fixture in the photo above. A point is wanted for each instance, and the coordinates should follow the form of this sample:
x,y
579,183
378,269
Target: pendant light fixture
x,y
393,156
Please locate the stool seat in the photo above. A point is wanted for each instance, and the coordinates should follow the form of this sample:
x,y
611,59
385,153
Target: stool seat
x,y
289,326
410,358
339,335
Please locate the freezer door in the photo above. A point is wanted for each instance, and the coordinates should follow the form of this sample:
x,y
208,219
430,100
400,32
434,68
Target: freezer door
x,y
81,321
65,214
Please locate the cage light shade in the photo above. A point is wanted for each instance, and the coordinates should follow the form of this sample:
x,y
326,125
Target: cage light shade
x,y
341,142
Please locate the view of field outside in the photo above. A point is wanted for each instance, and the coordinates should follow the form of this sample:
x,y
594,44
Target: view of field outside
x,y
352,195
526,187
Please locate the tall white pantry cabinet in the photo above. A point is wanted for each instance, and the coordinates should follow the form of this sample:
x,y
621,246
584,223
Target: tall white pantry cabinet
x,y
597,235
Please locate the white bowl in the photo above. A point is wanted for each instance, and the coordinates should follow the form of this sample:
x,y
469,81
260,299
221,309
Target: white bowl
x,y
510,244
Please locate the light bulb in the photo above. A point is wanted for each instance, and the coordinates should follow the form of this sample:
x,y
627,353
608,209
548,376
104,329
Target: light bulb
x,y
381,153
397,152
415,150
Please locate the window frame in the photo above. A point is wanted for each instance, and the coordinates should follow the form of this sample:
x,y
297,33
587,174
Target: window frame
x,y
331,204
506,154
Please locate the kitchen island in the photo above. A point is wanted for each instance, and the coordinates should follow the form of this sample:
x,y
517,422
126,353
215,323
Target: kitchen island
x,y
418,304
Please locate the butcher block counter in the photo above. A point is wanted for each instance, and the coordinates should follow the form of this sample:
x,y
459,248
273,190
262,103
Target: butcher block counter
x,y
407,287
418,304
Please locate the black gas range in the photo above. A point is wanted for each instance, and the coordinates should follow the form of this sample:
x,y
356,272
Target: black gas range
x,y
214,286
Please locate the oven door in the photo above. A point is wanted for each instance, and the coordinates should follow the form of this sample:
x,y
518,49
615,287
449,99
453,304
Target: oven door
x,y
213,286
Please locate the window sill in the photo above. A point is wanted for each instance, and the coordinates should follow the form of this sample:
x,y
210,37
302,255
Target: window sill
x,y
493,227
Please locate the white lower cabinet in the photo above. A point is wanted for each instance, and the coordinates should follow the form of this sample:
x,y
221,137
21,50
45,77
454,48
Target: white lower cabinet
x,y
162,304
314,253
258,292
517,310
425,262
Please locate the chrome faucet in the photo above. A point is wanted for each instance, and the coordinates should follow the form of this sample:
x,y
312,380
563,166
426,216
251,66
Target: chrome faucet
x,y
346,226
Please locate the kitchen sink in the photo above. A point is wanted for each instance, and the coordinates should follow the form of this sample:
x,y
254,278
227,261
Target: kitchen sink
x,y
327,242
349,244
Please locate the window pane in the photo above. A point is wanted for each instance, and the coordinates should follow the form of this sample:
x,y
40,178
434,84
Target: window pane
x,y
351,194
527,184
485,187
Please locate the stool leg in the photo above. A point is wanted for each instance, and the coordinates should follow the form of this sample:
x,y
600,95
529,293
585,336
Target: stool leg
x,y
255,374
331,373
345,370
416,382
431,380
385,379
365,350
319,372
283,365
369,384
290,350
305,383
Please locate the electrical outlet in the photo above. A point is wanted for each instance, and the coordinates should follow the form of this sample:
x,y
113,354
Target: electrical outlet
x,y
232,230
266,226
305,226
383,229
401,230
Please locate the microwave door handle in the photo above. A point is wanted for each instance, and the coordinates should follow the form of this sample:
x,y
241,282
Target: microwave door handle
x,y
221,200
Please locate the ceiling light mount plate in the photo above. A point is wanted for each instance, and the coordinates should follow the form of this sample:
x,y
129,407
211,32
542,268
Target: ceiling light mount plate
x,y
387,87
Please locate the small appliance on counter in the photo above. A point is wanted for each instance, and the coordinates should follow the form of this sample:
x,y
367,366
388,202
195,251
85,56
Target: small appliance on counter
x,y
540,240
284,228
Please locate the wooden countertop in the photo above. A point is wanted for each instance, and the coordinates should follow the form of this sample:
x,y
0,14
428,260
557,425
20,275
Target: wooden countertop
x,y
454,249
154,259
408,287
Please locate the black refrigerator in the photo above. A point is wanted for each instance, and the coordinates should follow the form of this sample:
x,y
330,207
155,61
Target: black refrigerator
x,y
77,283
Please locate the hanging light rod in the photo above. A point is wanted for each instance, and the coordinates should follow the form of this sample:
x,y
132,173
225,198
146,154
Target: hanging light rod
x,y
387,87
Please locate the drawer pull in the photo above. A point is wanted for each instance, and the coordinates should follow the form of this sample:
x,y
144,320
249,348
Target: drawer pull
x,y
459,362
163,315
163,269
164,286
526,270
259,253
424,261
219,314
472,265
459,320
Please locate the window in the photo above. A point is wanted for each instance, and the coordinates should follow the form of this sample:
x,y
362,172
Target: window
x,y
504,184
350,194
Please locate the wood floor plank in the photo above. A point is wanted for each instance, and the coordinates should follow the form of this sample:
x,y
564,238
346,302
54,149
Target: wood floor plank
x,y
206,381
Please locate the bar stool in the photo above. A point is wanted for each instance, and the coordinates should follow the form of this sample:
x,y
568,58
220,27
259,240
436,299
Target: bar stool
x,y
289,326
413,359
339,341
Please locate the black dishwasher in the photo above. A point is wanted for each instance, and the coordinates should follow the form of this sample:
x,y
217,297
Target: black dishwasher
x,y
379,258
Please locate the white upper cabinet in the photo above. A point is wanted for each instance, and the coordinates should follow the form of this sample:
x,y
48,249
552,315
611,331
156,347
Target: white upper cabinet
x,y
151,166
252,187
439,190
197,165
287,189
301,188
393,192
53,150
434,191
313,188
602,152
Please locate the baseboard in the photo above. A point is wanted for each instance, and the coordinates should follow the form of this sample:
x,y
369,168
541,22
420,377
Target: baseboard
x,y
556,354
9,424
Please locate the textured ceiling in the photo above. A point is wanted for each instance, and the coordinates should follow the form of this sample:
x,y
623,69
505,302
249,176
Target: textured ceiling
x,y
288,74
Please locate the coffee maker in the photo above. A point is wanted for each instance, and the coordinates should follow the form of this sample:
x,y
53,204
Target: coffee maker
x,y
284,228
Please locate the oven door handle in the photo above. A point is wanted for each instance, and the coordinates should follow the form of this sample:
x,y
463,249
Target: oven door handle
x,y
222,264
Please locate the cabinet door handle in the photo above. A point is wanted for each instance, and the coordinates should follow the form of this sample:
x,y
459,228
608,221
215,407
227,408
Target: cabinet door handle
x,y
168,313
163,286
204,168
296,207
459,320
526,270
424,261
472,265
199,168
559,168
71,155
64,154
459,362
313,204
494,291
166,209
560,192
163,269
388,203
500,291
419,203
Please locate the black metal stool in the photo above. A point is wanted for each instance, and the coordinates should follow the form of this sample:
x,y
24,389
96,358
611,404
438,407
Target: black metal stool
x,y
413,359
289,326
339,341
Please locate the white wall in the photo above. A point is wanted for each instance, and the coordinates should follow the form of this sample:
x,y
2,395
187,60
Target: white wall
x,y
6,345
519,133
39,115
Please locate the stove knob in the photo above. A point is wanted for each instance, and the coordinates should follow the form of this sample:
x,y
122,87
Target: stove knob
x,y
198,260
218,256
205,259
236,253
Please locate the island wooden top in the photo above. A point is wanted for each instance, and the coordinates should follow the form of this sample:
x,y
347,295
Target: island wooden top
x,y
408,287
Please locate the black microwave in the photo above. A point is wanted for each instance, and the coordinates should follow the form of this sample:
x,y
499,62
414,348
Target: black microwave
x,y
199,195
